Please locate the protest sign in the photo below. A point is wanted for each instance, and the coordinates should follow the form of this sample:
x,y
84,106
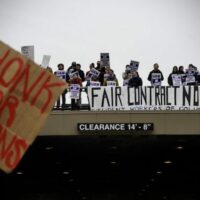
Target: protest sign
x,y
176,79
105,59
74,74
94,72
155,79
61,74
190,79
134,65
95,84
74,91
111,83
27,95
45,61
144,98
28,51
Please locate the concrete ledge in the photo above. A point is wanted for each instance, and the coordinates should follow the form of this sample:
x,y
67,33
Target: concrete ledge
x,y
165,122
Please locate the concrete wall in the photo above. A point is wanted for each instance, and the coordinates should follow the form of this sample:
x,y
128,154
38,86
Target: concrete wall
x,y
165,122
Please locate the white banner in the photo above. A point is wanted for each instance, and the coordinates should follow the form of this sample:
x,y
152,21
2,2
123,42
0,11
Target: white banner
x,y
144,98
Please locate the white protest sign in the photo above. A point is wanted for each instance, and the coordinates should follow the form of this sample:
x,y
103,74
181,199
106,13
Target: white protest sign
x,y
74,91
45,61
105,59
94,72
61,74
71,75
111,83
28,51
190,79
155,79
134,65
95,84
177,79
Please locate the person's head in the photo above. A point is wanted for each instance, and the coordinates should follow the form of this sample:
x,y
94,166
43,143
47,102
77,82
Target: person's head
x,y
134,74
181,69
156,66
130,75
98,64
92,65
175,69
128,69
60,66
78,66
73,64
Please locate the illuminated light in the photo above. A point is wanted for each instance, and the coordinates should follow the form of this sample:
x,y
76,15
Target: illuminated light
x,y
19,173
65,172
179,147
48,148
167,162
113,162
158,172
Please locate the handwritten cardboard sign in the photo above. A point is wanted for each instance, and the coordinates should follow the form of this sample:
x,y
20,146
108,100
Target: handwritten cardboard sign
x,y
27,94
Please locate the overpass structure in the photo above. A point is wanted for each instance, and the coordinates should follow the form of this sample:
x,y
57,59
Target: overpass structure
x,y
164,122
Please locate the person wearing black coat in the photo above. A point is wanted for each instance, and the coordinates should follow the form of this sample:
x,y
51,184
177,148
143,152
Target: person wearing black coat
x,y
174,71
135,81
155,71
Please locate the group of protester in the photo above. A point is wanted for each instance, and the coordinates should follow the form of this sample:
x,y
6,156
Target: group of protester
x,y
103,75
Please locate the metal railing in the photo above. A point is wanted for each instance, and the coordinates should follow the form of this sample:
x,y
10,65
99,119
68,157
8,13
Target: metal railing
x,y
68,104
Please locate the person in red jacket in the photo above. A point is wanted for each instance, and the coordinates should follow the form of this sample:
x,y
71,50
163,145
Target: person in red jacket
x,y
75,84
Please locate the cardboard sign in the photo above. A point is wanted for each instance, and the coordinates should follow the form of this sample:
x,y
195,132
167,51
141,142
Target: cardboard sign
x,y
134,65
27,95
28,51
45,61
105,59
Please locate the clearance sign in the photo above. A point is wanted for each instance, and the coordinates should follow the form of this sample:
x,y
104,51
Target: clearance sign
x,y
144,98
27,94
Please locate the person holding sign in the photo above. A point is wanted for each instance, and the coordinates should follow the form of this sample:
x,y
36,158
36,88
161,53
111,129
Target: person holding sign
x,y
75,83
61,73
174,78
110,78
155,76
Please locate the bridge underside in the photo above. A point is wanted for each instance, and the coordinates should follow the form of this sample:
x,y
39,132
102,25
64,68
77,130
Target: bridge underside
x,y
107,167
